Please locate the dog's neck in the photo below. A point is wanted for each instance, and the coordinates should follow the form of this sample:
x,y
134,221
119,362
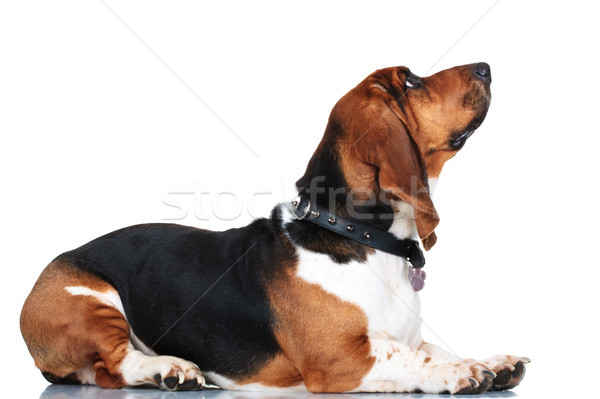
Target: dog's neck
x,y
403,225
380,212
338,201
326,185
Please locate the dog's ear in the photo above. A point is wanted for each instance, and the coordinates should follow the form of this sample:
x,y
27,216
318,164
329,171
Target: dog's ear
x,y
402,173
399,161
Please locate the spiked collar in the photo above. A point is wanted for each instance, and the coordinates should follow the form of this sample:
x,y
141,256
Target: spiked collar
x,y
360,232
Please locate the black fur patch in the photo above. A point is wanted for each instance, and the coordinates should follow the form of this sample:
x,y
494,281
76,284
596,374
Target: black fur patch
x,y
71,379
195,294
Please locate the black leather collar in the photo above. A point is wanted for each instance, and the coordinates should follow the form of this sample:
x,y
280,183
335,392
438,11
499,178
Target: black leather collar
x,y
365,234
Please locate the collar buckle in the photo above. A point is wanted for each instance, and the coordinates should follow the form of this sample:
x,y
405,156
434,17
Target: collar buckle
x,y
302,215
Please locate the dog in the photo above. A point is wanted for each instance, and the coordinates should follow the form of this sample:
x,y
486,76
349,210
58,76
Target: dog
x,y
321,296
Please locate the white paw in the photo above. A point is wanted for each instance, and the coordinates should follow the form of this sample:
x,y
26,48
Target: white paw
x,y
172,373
168,372
455,376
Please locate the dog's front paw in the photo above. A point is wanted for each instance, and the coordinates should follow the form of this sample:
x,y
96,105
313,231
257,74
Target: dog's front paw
x,y
509,370
461,376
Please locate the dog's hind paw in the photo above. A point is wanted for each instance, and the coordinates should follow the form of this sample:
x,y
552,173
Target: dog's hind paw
x,y
168,372
180,376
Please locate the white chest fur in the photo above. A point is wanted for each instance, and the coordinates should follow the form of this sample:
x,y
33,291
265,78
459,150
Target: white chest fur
x,y
378,286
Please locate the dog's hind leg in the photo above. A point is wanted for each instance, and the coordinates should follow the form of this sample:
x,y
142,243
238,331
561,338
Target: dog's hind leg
x,y
75,329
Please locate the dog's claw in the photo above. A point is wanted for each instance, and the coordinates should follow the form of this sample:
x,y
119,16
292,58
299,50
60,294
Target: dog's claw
x,y
509,366
489,373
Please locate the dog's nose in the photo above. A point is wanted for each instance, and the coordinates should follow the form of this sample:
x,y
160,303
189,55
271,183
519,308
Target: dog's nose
x,y
482,71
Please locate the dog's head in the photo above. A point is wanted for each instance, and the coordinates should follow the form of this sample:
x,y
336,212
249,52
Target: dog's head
x,y
393,132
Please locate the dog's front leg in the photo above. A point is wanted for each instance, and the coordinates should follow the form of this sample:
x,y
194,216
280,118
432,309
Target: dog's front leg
x,y
508,370
401,368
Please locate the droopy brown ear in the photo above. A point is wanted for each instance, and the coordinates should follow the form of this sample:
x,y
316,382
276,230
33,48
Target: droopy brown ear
x,y
402,173
402,170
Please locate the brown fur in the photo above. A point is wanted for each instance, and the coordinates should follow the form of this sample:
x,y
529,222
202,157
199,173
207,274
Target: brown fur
x,y
377,147
64,334
431,133
323,338
279,372
395,139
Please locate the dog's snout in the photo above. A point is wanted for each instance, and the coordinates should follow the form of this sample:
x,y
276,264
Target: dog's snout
x,y
482,71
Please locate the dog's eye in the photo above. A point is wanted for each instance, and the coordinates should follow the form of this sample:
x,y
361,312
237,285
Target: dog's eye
x,y
412,82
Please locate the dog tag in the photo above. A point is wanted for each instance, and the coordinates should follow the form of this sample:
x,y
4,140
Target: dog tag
x,y
416,278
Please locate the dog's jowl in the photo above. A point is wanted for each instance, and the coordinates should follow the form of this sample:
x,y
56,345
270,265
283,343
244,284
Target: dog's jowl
x,y
321,296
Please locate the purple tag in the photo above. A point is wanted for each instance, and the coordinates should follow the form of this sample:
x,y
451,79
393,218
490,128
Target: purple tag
x,y
416,278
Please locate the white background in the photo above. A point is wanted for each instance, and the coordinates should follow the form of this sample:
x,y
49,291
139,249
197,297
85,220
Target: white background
x,y
104,114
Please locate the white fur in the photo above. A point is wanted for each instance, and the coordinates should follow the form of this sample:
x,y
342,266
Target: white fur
x,y
226,383
109,297
432,184
404,225
378,286
138,368
86,375
401,368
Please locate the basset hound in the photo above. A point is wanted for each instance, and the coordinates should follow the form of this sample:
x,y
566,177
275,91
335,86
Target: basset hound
x,y
322,296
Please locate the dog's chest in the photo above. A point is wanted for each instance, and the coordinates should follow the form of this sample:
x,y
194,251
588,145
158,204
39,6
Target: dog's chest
x,y
379,287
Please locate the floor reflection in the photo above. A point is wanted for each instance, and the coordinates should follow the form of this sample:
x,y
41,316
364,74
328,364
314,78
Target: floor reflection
x,y
93,392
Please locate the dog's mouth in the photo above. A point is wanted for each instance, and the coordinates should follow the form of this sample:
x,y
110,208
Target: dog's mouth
x,y
477,99
459,138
